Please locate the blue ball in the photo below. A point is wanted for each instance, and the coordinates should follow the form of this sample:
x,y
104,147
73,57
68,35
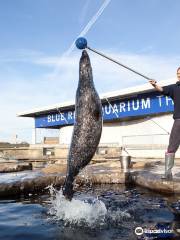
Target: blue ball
x,y
81,43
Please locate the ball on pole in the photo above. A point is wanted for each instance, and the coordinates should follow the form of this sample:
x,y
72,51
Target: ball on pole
x,y
81,43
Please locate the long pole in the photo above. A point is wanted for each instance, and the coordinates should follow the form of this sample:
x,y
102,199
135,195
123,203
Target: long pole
x,y
115,61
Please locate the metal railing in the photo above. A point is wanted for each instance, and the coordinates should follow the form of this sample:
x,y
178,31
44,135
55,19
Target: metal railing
x,y
145,141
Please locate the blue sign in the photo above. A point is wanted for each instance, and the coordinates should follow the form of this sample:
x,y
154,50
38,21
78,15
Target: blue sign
x,y
139,105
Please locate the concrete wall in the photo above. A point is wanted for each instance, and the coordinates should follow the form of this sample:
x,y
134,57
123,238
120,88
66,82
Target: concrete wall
x,y
23,153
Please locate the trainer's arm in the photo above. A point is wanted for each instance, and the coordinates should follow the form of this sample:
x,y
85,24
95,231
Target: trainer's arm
x,y
153,83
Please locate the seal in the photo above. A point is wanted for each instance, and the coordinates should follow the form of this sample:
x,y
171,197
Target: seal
x,y
87,127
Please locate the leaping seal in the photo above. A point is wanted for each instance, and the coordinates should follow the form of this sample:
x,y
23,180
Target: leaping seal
x,y
87,127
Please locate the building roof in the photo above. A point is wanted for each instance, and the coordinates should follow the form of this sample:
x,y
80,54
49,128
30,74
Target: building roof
x,y
109,95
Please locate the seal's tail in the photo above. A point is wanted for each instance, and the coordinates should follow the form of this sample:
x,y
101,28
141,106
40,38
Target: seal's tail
x,y
68,188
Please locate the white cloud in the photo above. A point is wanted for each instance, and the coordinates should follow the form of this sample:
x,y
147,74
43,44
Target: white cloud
x,y
109,76
19,55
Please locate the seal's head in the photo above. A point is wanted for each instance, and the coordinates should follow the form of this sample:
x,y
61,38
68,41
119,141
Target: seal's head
x,y
85,70
85,60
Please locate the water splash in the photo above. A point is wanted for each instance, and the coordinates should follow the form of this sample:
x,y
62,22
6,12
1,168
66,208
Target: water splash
x,y
90,212
85,210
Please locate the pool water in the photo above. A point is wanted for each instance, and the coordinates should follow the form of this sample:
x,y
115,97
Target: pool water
x,y
117,212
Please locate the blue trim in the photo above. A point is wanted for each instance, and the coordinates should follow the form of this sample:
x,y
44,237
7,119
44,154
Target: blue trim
x,y
139,105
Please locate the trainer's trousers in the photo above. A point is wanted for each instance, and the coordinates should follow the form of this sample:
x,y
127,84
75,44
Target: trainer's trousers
x,y
174,140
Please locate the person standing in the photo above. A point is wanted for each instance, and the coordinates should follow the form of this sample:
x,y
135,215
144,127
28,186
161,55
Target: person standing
x,y
172,91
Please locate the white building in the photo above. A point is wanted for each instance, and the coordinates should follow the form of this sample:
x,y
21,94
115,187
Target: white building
x,y
137,118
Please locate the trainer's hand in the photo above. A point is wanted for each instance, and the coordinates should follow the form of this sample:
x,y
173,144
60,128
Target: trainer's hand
x,y
152,82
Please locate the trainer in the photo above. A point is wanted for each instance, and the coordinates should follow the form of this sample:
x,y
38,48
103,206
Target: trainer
x,y
172,91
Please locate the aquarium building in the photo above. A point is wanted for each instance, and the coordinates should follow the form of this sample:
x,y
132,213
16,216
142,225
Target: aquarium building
x,y
133,116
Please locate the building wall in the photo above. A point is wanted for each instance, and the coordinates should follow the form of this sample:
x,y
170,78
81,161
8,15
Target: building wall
x,y
142,131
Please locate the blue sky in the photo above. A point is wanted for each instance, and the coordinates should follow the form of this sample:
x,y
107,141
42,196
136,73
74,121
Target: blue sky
x,y
35,34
